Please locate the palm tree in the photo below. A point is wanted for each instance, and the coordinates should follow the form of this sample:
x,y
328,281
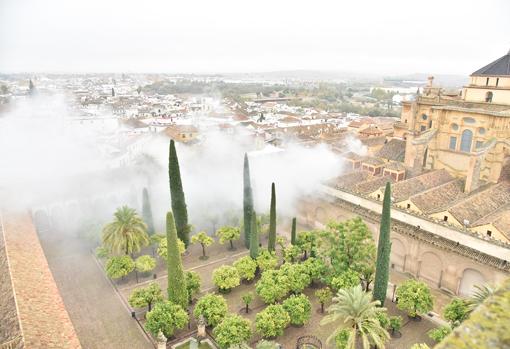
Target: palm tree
x,y
126,233
357,314
479,296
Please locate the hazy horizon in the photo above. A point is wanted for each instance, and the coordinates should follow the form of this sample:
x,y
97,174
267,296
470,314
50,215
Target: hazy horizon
x,y
366,37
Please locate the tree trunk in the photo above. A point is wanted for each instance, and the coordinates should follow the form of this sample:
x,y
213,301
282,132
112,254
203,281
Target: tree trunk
x,y
322,307
231,245
149,305
247,308
203,250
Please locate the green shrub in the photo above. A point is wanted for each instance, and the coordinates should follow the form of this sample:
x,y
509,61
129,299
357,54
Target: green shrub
x,y
226,277
439,333
167,317
233,330
267,260
347,279
145,263
395,323
297,277
246,267
212,307
119,266
162,248
271,321
299,309
414,297
272,286
456,311
146,296
192,283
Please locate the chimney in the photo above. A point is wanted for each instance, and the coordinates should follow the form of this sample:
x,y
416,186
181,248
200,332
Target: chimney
x,y
430,81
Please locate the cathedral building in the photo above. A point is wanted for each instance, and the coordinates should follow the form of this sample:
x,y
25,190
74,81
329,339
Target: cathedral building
x,y
467,134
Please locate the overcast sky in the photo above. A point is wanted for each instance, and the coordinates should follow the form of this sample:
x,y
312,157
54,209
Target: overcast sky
x,y
384,37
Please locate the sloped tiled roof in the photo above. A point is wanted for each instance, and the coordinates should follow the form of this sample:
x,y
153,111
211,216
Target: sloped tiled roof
x,y
500,67
500,219
349,180
394,150
439,198
482,204
45,322
372,185
405,189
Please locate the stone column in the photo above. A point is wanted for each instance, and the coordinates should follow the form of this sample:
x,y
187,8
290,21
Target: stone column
x,y
161,340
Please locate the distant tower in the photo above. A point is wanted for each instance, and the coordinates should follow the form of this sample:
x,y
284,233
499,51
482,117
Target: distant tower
x,y
31,87
113,92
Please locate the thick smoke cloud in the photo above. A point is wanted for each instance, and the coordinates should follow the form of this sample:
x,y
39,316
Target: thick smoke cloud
x,y
48,160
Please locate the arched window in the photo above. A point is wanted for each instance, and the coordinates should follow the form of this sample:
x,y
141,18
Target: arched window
x,y
488,97
466,140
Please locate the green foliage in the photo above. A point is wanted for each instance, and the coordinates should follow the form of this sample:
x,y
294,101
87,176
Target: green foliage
x,y
247,204
348,245
127,233
254,236
226,277
272,286
145,263
291,253
228,234
192,284
293,237
315,268
456,311
233,330
102,252
247,298
414,297
212,307
146,296
203,239
324,295
382,269
346,279
119,266
297,277
271,321
177,195
395,323
267,260
439,333
177,292
307,242
341,339
147,212
479,296
272,221
166,317
383,319
246,267
299,309
354,309
163,249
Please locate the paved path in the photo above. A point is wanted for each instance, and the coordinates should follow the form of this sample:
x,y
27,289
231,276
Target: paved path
x,y
97,313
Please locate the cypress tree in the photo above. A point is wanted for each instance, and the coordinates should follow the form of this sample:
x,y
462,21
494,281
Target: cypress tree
x,y
254,236
293,237
147,211
177,195
177,292
272,220
383,249
247,201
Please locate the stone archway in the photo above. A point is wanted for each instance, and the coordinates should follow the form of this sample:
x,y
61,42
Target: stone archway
x,y
470,278
431,269
398,255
